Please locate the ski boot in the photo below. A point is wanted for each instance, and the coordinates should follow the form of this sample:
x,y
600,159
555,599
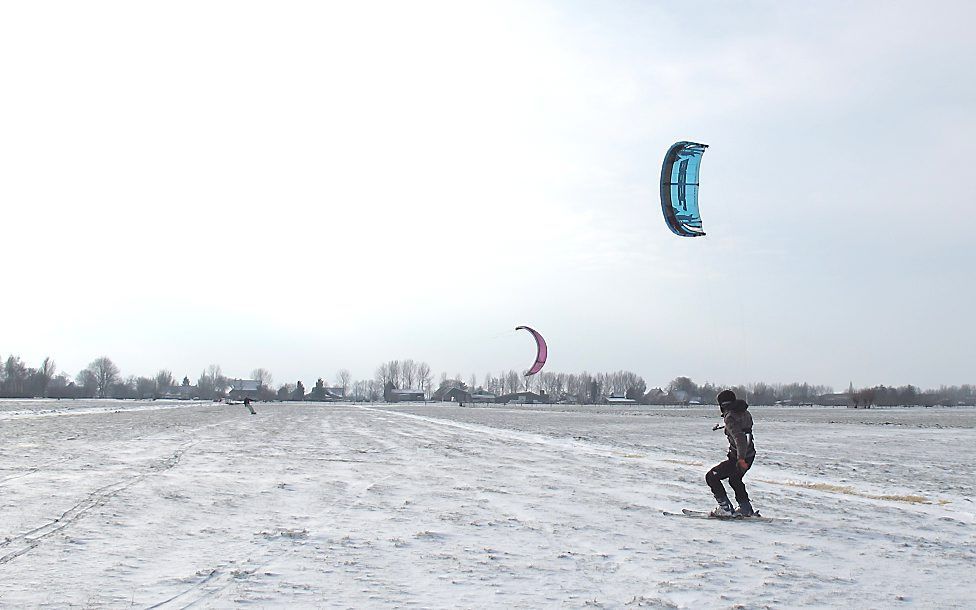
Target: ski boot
x,y
724,508
745,509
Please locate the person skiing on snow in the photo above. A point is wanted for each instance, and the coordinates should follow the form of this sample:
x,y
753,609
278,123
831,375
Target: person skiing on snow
x,y
247,403
742,452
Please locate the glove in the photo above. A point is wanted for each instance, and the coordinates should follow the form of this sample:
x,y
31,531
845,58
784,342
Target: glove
x,y
743,464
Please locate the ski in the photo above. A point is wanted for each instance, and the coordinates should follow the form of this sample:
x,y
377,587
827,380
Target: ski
x,y
697,514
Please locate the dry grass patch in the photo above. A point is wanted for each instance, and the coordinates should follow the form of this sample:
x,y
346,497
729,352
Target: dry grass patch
x,y
848,490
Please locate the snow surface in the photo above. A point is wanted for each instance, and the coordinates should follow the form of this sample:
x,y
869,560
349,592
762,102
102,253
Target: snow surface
x,y
169,505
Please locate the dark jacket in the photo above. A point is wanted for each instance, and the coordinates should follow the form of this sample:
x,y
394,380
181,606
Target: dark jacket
x,y
738,428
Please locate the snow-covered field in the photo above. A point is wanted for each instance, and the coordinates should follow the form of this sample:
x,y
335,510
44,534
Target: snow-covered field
x,y
169,505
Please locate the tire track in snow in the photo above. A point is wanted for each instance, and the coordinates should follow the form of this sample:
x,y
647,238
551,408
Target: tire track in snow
x,y
218,579
223,576
41,467
27,541
35,469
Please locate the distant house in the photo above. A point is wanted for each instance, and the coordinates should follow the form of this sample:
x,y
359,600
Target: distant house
x,y
569,399
655,396
524,398
456,395
616,399
683,397
446,386
180,392
324,394
244,388
408,395
793,402
338,393
483,397
392,394
462,396
837,400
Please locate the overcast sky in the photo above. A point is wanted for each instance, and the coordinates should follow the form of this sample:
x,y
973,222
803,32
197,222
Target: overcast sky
x,y
310,186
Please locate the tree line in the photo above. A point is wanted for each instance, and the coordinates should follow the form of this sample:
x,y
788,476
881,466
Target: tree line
x,y
102,378
883,396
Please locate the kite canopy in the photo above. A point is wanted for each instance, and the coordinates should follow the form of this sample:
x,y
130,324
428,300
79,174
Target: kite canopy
x,y
541,351
679,188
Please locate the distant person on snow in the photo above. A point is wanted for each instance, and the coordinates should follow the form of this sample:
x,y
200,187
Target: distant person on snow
x,y
247,403
742,452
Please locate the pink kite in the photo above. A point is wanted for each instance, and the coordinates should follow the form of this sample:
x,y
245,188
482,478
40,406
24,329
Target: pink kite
x,y
540,356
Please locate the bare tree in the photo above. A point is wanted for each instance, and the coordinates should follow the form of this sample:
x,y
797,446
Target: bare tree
x,y
396,373
424,377
683,384
373,390
15,374
205,387
85,379
343,377
549,382
383,374
124,388
263,377
164,381
47,371
59,386
145,387
408,373
358,390
512,382
217,380
104,374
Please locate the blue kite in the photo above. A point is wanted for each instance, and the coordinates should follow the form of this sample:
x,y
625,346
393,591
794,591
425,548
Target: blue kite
x,y
679,188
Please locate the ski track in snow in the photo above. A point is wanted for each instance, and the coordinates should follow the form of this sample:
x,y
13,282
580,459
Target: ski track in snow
x,y
203,505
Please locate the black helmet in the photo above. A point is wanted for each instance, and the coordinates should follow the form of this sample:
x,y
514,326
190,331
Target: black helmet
x,y
725,396
724,399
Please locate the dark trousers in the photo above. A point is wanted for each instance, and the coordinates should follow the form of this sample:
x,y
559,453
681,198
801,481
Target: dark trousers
x,y
728,469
